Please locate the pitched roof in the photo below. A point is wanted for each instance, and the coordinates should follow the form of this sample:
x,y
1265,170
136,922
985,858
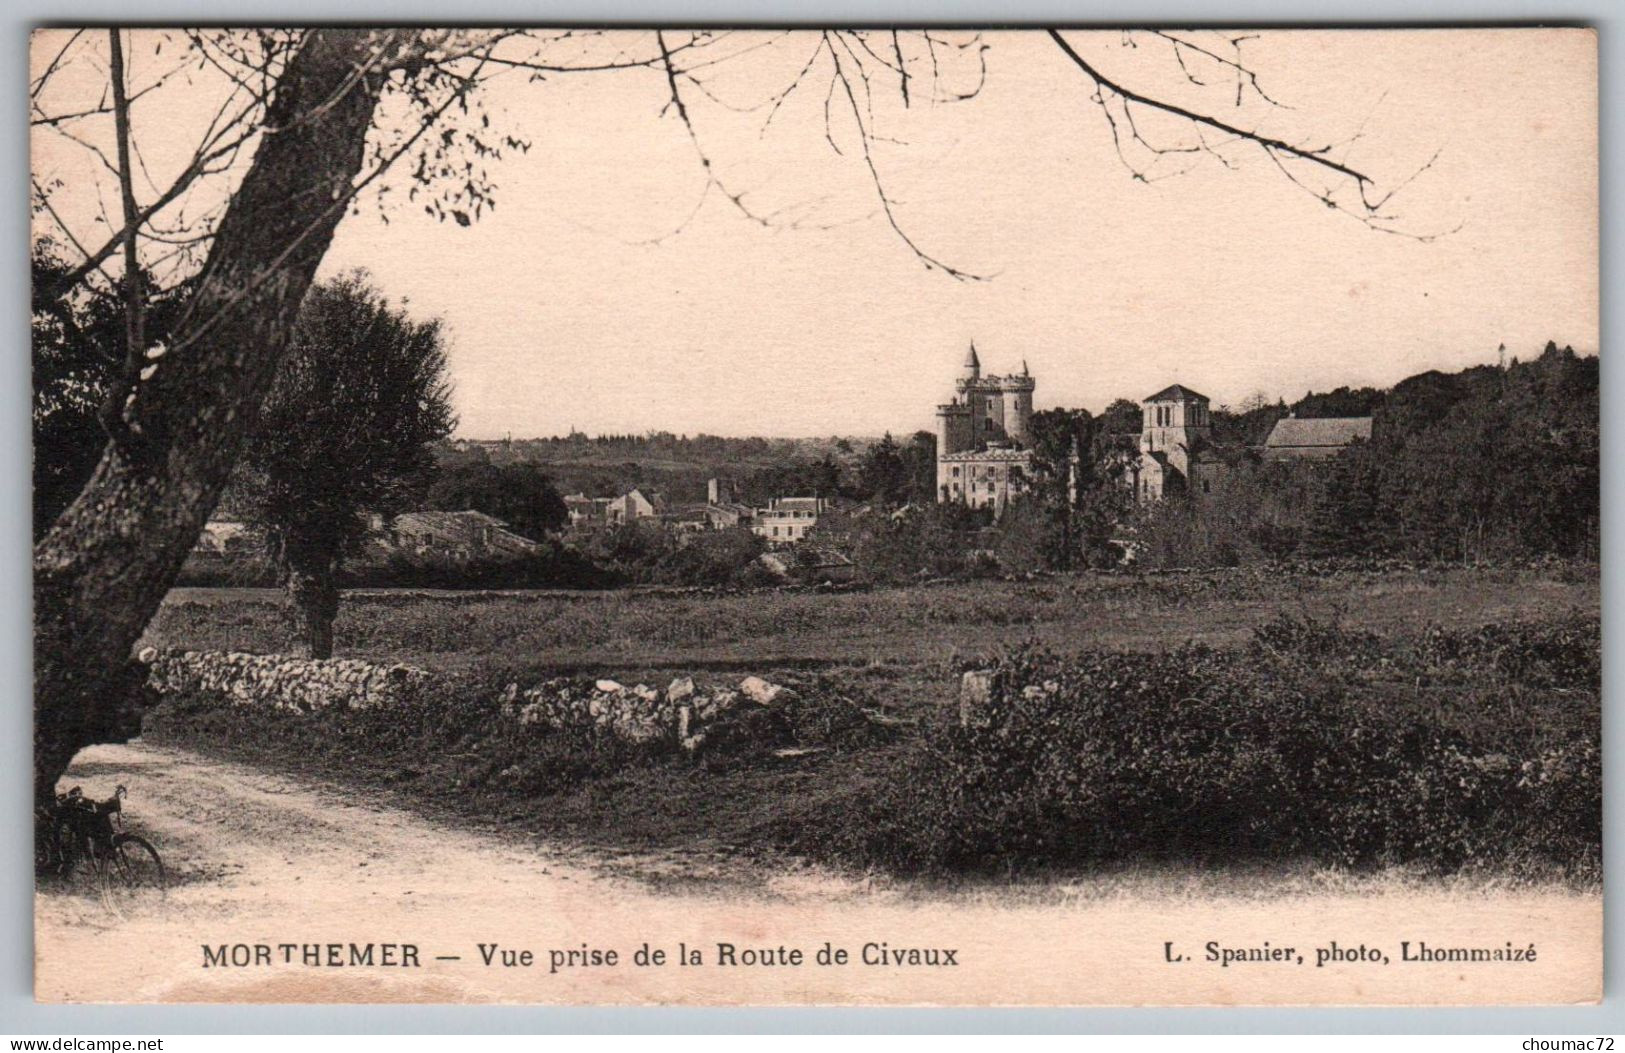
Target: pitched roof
x,y
1317,432
804,504
1177,393
463,527
450,520
805,557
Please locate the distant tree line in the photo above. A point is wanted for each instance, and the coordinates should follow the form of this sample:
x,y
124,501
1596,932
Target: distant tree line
x,y
1492,462
1488,462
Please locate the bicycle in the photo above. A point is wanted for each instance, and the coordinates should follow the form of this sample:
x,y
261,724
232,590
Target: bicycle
x,y
83,830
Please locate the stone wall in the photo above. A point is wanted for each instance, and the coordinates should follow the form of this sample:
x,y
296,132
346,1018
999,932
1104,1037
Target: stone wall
x,y
638,713
283,682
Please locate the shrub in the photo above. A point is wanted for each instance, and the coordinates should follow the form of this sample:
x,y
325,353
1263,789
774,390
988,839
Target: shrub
x,y
719,557
1277,750
817,713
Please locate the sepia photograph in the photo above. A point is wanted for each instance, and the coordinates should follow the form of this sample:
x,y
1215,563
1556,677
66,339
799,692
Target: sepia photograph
x,y
816,516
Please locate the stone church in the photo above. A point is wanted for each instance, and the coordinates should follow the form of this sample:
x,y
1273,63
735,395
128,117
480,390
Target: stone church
x,y
983,435
1176,447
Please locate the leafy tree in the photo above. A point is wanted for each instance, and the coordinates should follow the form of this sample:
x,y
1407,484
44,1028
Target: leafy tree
x,y
631,551
1250,424
933,540
920,463
716,557
1343,517
1483,463
1033,535
521,494
346,431
1122,417
1062,466
799,477
76,364
883,475
1339,402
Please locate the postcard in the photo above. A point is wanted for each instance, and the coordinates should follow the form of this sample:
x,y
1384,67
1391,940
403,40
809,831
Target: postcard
x,y
816,516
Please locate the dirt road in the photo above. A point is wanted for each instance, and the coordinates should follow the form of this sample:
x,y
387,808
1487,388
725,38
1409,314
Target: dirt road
x,y
265,861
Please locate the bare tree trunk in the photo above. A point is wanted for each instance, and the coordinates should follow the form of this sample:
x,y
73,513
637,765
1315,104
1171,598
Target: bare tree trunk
x,y
315,601
104,567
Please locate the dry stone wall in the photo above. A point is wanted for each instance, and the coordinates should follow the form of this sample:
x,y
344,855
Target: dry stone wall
x,y
637,713
283,682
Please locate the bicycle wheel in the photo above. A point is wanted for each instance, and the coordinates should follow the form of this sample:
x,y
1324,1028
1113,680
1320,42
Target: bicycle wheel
x,y
135,863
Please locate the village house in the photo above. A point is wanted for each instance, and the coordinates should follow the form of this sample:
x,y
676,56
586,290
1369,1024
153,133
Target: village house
x,y
458,535
585,512
787,519
632,506
727,516
723,510
983,434
688,519
719,512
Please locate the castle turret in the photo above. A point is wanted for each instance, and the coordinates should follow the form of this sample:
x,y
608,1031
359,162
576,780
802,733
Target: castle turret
x,y
1016,402
972,370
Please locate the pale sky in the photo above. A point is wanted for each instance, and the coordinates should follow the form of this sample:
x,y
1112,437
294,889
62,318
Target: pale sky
x,y
596,297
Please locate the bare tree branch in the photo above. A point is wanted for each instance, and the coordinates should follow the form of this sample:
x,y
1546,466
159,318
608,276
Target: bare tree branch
x,y
135,345
1102,82
931,262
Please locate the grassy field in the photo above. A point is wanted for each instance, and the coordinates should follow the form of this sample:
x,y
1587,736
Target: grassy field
x,y
908,640
900,651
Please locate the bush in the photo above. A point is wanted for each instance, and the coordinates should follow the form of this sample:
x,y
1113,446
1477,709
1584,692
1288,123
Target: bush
x,y
717,557
1289,748
816,714
925,541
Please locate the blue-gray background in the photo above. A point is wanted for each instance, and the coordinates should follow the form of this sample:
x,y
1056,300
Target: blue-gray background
x,y
19,1014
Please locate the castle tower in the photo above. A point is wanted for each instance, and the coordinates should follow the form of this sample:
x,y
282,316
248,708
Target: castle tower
x,y
954,433
1016,397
